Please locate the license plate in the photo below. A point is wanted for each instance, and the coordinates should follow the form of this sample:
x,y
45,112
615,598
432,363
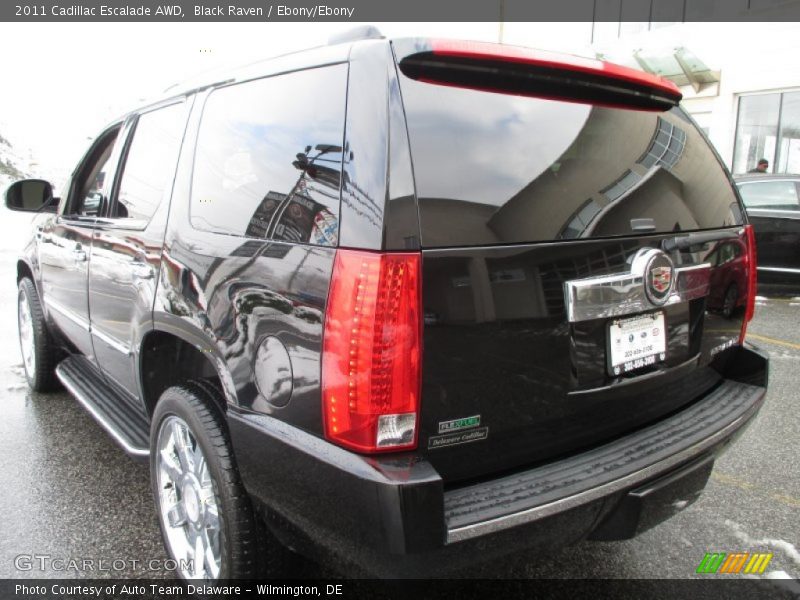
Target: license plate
x,y
636,342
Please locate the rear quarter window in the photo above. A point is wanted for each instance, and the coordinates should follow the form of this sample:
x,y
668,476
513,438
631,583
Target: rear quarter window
x,y
268,159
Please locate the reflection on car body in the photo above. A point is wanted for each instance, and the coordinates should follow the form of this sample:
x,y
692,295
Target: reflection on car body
x,y
728,277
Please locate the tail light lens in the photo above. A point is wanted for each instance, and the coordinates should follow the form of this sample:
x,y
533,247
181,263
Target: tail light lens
x,y
750,302
372,351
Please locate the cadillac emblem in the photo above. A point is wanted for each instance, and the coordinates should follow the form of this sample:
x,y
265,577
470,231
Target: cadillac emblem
x,y
658,279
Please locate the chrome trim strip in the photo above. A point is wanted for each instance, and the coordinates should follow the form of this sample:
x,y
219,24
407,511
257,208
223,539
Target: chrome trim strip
x,y
98,416
67,313
624,293
86,326
779,269
539,512
114,343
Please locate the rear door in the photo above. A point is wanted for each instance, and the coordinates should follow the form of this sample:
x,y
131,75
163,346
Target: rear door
x,y
565,225
126,250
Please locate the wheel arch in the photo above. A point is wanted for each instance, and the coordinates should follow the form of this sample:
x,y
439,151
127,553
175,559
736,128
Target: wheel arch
x,y
24,270
169,356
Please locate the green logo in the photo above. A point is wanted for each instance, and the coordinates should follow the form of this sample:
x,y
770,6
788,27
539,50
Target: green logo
x,y
734,562
456,424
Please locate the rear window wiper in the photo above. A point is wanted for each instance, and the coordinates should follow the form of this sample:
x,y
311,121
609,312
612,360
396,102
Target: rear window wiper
x,y
684,241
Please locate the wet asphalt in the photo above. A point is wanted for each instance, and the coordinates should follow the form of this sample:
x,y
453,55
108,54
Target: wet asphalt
x,y
68,493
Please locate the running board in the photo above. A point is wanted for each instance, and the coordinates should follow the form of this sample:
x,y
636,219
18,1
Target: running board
x,y
128,427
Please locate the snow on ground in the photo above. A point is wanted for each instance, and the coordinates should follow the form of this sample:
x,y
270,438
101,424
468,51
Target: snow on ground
x,y
782,545
778,577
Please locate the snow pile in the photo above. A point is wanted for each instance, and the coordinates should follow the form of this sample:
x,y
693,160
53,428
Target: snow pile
x,y
14,164
777,576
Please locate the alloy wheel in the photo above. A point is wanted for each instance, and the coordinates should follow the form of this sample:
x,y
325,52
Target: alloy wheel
x,y
188,503
27,342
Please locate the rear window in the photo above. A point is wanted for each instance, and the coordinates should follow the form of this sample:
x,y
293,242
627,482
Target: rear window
x,y
494,168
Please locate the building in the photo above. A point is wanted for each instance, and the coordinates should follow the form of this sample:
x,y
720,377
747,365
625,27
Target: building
x,y
740,80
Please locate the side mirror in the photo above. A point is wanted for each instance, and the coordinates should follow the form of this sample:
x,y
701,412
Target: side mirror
x,y
31,195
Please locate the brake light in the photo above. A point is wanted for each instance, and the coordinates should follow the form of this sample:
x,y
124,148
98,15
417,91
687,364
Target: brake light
x,y
552,60
527,72
751,263
371,354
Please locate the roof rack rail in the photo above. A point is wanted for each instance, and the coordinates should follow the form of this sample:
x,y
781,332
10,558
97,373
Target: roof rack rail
x,y
362,32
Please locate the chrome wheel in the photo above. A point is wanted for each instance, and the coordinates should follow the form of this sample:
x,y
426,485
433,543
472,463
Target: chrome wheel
x,y
27,342
188,504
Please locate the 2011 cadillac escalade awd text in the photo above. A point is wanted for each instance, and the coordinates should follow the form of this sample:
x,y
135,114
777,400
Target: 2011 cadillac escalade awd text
x,y
408,303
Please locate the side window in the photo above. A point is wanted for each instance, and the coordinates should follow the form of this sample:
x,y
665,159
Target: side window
x,y
770,195
146,177
269,158
87,191
727,253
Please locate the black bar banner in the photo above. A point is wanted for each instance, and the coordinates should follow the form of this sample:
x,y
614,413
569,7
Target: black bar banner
x,y
347,589
395,10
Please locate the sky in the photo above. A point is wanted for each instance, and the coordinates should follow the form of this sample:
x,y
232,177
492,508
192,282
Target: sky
x,y
63,82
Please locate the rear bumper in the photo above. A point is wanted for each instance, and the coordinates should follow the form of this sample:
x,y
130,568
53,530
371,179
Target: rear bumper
x,y
392,516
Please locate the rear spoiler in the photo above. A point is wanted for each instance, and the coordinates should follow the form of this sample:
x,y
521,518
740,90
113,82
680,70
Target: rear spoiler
x,y
525,72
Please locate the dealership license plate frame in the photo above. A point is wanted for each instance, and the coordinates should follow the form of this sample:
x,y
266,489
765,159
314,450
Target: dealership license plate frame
x,y
639,356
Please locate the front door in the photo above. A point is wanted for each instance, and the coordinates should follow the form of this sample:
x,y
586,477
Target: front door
x,y
66,244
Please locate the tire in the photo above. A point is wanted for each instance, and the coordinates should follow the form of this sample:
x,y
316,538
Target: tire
x,y
730,301
39,352
210,503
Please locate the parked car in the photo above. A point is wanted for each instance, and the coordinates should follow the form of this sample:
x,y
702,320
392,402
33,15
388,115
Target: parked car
x,y
729,271
773,208
513,348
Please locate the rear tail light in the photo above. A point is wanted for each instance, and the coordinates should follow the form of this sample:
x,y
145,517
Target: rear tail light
x,y
527,72
751,262
372,351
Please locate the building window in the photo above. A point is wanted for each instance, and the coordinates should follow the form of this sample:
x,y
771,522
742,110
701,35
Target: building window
x,y
768,126
667,146
621,186
580,220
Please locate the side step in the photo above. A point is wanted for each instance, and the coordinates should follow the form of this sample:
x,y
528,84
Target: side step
x,y
128,427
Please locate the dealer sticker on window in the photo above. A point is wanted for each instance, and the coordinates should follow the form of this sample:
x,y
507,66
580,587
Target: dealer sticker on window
x,y
636,342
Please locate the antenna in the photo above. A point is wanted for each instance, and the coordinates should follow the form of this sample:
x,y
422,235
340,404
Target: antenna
x,y
362,32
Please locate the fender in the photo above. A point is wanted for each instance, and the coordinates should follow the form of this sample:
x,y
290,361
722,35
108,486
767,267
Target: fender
x,y
182,329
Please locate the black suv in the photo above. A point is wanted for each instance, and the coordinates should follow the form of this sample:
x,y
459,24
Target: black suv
x,y
408,303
